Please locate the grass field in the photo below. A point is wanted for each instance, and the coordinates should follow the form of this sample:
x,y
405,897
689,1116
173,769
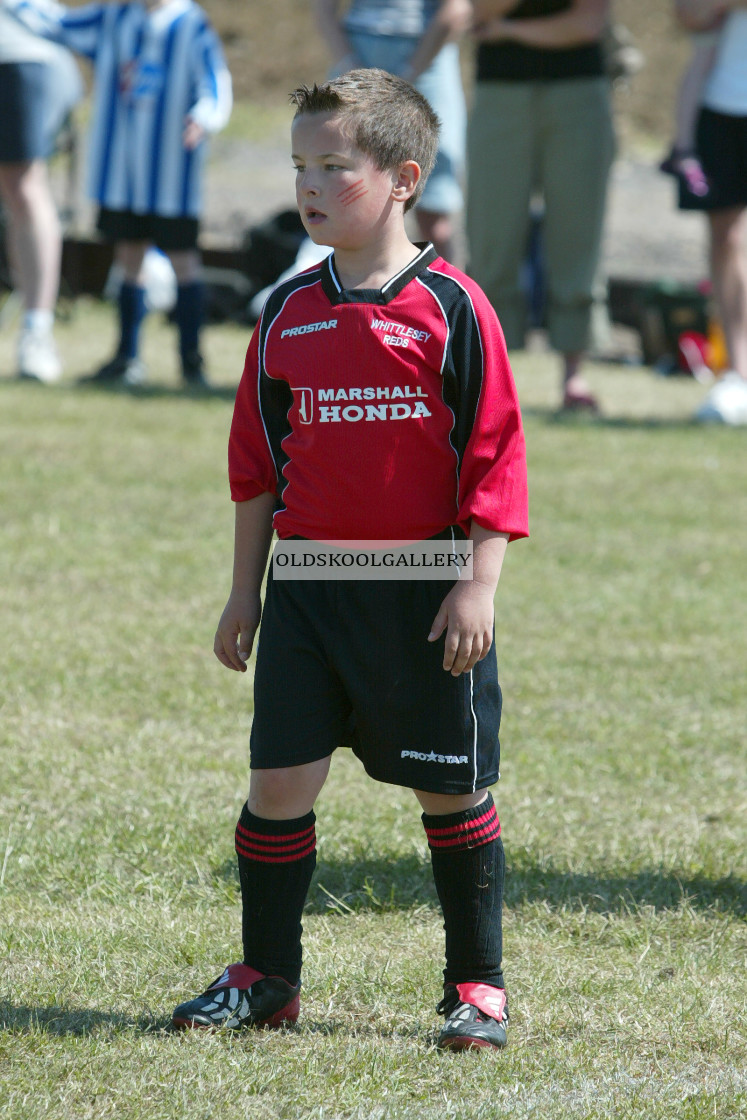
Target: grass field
x,y
622,644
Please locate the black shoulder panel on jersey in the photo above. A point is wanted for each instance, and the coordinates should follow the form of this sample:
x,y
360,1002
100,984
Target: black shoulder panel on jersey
x,y
279,295
275,395
464,364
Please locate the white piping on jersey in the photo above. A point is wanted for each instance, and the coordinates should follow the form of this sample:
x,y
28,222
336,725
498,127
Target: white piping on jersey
x,y
405,269
262,366
389,282
445,319
474,733
454,553
476,321
441,308
332,272
471,690
459,284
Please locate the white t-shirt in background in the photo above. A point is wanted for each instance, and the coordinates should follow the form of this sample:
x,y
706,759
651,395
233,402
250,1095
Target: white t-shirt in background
x,y
726,87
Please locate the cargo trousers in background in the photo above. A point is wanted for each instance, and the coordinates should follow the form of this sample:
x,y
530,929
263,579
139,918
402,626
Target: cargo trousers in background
x,y
554,138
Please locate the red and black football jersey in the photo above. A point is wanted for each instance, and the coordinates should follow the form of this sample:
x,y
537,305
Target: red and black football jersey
x,y
380,414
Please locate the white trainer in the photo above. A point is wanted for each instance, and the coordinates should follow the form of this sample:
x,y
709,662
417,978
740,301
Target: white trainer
x,y
726,403
37,356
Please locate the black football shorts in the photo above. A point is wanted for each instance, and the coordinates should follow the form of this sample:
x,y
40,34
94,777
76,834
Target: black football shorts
x,y
721,144
347,663
170,235
26,93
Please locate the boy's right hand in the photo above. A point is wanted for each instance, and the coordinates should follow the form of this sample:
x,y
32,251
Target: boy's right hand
x,y
238,624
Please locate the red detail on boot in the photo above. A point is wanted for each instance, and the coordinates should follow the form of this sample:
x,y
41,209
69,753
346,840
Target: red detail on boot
x,y
492,1001
287,1014
237,976
467,1043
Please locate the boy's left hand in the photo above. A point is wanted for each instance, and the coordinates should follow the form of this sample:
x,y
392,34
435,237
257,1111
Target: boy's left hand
x,y
193,134
467,615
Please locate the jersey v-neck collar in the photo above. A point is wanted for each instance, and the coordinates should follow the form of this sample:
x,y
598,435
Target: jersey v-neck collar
x,y
335,292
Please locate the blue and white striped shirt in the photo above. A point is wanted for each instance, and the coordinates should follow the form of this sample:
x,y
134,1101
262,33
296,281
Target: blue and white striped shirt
x,y
391,17
152,69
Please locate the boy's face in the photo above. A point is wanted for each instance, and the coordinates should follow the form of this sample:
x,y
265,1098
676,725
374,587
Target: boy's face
x,y
344,199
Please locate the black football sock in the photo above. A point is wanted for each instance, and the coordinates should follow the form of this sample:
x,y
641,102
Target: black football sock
x,y
276,862
468,868
189,314
132,311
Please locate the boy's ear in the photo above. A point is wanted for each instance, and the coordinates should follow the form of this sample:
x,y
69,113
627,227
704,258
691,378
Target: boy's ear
x,y
406,179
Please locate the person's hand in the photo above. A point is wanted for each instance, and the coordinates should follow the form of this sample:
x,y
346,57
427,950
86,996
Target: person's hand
x,y
467,615
492,31
235,634
193,134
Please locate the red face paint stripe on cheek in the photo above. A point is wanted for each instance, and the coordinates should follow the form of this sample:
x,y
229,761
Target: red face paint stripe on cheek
x,y
350,189
355,197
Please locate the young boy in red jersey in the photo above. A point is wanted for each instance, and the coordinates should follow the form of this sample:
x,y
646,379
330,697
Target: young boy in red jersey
x,y
377,403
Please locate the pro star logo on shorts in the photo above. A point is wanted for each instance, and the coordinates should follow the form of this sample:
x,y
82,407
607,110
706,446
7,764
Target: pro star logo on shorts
x,y
450,759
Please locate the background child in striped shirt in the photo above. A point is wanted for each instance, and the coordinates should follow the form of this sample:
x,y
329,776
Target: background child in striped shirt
x,y
161,84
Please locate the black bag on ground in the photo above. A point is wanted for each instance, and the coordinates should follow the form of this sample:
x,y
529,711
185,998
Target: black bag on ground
x,y
271,247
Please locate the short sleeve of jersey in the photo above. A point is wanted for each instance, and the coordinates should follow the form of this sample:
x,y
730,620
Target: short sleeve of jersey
x,y
488,435
80,29
251,468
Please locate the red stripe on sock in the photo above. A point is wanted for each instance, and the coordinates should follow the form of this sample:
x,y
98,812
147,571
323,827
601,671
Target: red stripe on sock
x,y
267,839
466,834
276,849
265,857
456,829
468,839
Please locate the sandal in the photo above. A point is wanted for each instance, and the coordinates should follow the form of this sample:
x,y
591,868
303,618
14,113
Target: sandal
x,y
580,402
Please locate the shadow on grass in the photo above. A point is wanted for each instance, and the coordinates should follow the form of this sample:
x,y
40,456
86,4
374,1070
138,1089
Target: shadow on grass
x,y
619,895
66,1021
561,419
158,391
375,1030
146,392
405,883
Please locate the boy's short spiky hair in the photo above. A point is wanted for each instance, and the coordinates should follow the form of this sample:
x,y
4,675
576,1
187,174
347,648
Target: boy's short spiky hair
x,y
390,121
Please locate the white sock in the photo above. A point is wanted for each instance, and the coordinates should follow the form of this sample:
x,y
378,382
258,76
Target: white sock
x,y
38,320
